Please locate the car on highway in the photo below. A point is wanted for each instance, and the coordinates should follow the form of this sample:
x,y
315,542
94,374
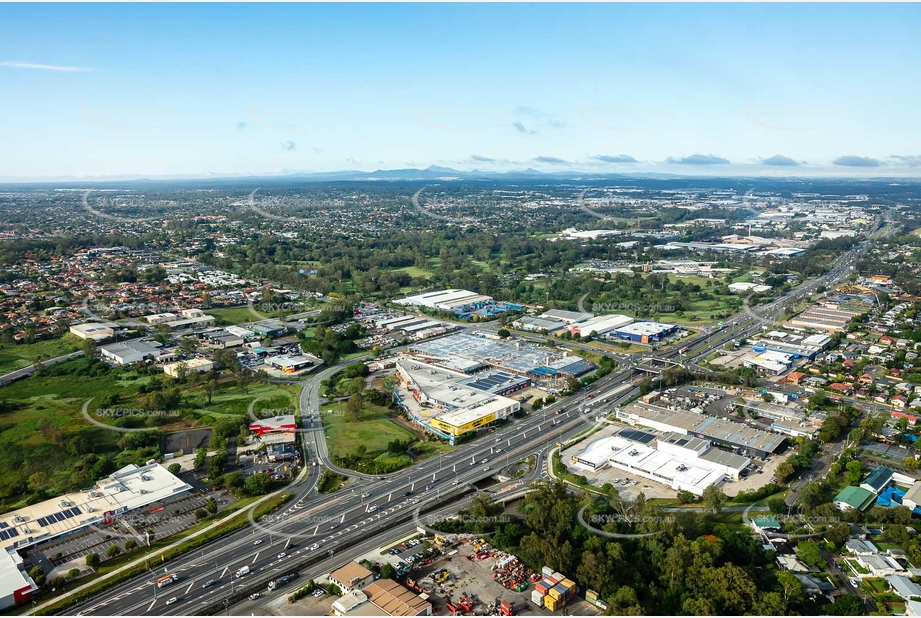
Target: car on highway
x,y
372,508
254,596
334,526
486,469
455,482
281,555
208,583
416,501
484,461
315,547
257,542
171,601
498,450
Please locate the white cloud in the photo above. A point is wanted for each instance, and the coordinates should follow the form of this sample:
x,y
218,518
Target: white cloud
x,y
42,67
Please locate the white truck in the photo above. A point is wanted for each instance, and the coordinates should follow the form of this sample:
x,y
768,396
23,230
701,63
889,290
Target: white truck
x,y
242,571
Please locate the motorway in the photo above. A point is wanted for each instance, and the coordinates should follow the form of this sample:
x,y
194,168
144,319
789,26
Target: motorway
x,y
322,526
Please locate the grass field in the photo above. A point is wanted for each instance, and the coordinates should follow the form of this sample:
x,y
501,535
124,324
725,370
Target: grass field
x,y
16,356
238,315
412,271
25,449
375,430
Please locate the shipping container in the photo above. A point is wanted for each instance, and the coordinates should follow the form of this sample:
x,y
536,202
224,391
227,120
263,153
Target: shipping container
x,y
541,588
571,585
553,592
558,577
551,603
551,581
591,595
562,590
537,598
546,571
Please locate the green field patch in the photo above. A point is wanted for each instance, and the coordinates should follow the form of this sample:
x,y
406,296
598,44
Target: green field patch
x,y
238,315
15,356
374,431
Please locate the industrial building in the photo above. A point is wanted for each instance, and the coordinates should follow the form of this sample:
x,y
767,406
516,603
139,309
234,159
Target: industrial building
x,y
392,599
445,300
796,351
127,490
470,353
644,332
769,361
352,576
538,324
567,317
127,352
221,338
291,364
824,318
97,331
600,325
201,365
451,403
676,460
730,434
269,328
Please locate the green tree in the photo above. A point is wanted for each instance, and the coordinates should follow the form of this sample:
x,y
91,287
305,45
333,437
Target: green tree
x,y
714,498
201,456
92,560
258,484
504,333
200,514
854,471
355,406
387,571
113,550
174,468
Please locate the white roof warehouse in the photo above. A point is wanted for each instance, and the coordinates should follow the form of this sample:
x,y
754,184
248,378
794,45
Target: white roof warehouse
x,y
126,490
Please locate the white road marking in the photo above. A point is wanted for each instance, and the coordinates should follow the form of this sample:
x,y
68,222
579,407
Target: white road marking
x,y
189,588
151,605
254,558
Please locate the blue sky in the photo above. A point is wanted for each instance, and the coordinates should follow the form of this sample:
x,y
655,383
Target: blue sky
x,y
169,90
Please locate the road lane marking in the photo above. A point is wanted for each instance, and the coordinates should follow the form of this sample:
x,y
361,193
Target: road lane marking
x,y
254,558
189,588
151,606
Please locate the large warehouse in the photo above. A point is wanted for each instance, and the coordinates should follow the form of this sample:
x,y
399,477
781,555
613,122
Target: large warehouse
x,y
737,436
679,461
470,353
600,325
450,403
126,490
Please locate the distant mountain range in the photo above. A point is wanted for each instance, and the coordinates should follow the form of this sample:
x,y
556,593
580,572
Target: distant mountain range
x,y
429,174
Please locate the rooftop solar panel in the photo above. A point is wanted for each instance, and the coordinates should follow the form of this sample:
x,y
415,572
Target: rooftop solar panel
x,y
3,535
13,532
42,521
77,510
3,525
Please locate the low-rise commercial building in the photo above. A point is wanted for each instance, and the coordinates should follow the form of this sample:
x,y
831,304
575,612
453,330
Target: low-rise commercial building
x,y
200,365
644,332
352,576
127,352
97,331
854,498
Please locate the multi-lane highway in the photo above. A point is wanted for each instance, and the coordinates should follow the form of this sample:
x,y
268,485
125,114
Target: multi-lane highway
x,y
334,528
318,525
